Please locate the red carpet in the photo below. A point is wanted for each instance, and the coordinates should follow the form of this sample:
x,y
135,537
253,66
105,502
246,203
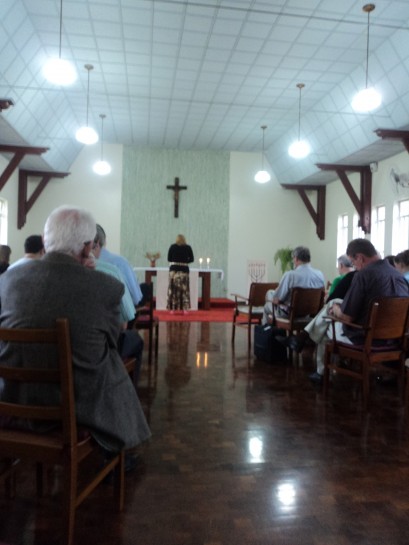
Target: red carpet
x,y
221,310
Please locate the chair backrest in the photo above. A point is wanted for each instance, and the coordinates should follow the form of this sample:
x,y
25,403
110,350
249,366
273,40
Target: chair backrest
x,y
258,290
306,302
62,414
146,312
388,319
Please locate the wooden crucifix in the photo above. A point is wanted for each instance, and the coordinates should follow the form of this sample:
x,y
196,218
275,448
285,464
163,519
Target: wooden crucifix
x,y
176,188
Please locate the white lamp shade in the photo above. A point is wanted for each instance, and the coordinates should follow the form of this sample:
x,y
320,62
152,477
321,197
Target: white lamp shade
x,y
102,168
262,177
59,72
87,135
299,149
366,100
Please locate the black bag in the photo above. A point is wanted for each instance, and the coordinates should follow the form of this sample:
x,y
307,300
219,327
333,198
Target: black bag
x,y
266,347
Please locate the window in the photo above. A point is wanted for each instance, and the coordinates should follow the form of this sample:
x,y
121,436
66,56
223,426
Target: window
x,y
3,221
400,228
378,229
342,235
357,231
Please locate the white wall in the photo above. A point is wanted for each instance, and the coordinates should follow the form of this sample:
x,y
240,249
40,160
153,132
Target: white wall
x,y
262,218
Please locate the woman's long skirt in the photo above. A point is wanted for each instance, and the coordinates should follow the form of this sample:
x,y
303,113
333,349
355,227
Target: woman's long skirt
x,y
178,291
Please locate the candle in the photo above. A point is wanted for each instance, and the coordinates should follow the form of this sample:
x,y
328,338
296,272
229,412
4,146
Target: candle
x,y
200,260
208,262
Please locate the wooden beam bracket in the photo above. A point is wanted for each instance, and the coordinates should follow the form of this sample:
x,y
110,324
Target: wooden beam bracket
x,y
24,203
317,215
394,134
363,202
19,152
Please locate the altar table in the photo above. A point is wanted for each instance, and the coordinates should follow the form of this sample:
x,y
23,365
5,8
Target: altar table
x,y
162,273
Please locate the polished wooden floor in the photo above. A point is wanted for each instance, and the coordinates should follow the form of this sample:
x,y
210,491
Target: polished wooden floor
x,y
242,453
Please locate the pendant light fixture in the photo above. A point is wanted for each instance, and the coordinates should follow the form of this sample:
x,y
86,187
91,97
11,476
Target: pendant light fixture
x,y
367,99
102,167
262,176
300,148
57,70
85,134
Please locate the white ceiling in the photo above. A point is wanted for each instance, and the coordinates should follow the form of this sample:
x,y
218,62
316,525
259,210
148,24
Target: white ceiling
x,y
206,75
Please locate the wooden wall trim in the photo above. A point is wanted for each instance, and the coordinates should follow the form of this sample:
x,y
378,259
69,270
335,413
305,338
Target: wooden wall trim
x,y
18,152
363,202
317,215
25,204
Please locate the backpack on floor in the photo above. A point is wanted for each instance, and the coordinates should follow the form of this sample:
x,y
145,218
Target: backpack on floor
x,y
266,347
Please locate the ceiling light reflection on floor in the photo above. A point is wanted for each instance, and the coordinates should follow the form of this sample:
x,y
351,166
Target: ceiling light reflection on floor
x,y
286,494
255,449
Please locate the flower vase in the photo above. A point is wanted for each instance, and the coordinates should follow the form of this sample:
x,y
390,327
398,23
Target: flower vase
x,y
153,262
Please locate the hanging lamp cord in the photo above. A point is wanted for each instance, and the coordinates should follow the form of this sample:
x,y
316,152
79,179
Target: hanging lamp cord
x,y
299,116
102,138
367,53
60,28
88,95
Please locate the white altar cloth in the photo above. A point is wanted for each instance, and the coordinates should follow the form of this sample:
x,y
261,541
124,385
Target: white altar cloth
x,y
219,272
162,280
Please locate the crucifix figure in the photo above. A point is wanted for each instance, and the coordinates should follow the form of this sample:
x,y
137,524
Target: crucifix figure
x,y
176,188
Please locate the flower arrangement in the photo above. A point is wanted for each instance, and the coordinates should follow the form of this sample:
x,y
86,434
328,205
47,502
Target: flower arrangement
x,y
152,257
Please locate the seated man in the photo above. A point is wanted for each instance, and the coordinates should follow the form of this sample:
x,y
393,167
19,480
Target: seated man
x,y
130,343
402,263
5,252
344,267
123,265
33,248
374,277
60,286
303,276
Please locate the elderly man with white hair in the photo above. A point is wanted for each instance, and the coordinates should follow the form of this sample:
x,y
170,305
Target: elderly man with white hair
x,y
60,286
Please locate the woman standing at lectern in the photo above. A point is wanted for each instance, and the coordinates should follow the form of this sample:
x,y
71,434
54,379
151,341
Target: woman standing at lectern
x,y
179,255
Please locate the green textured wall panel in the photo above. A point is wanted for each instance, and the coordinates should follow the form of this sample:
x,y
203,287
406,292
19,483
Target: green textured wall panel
x,y
148,223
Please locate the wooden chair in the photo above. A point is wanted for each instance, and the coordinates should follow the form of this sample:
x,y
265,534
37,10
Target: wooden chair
x,y
146,320
66,446
385,340
305,304
8,475
249,310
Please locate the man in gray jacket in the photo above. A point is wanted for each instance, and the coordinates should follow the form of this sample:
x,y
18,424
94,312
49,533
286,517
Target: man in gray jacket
x,y
60,286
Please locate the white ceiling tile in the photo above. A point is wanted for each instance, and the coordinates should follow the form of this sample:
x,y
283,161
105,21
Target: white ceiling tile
x,y
206,75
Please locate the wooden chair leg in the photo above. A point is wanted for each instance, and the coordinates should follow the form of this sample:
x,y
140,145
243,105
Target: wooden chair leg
x,y
150,344
365,385
10,478
327,360
69,502
406,390
156,340
119,482
40,479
